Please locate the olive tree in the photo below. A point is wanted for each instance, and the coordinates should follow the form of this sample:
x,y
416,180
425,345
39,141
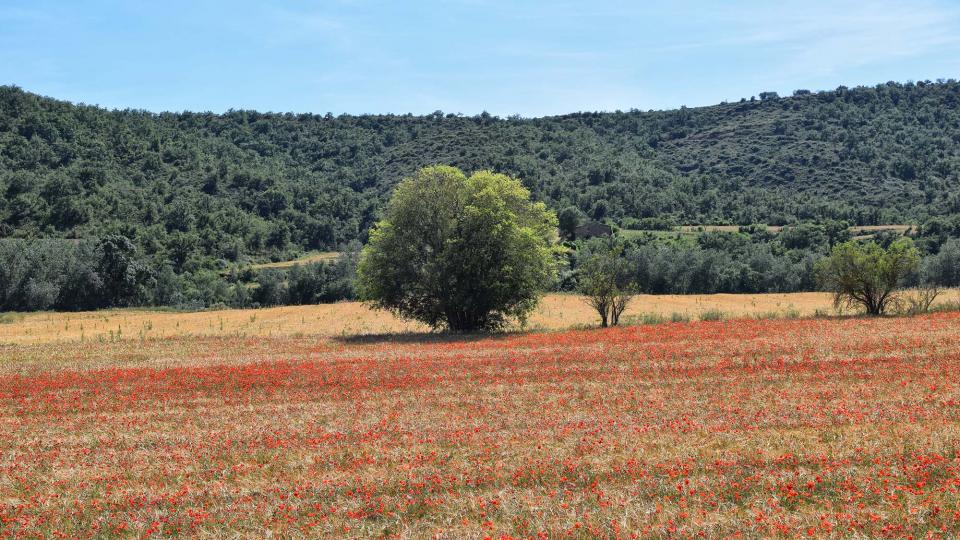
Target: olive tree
x,y
605,279
867,275
466,253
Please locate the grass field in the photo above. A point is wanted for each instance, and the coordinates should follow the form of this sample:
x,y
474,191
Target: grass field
x,y
556,312
314,257
351,318
762,428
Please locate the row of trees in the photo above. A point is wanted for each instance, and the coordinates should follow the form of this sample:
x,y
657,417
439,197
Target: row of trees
x,y
751,261
71,275
75,275
68,275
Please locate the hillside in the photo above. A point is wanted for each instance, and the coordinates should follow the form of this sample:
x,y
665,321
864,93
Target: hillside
x,y
198,187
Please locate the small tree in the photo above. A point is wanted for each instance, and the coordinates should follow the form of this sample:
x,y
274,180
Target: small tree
x,y
605,280
465,253
121,272
867,275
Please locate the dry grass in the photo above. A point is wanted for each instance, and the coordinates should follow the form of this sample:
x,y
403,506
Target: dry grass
x,y
744,428
719,228
557,311
859,231
320,256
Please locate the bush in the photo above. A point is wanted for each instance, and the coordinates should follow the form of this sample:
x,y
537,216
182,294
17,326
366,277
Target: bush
x,y
713,315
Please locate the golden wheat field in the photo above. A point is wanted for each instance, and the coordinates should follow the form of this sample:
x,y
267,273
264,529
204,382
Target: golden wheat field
x,y
557,311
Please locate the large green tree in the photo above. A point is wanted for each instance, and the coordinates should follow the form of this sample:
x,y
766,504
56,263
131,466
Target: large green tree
x,y
466,253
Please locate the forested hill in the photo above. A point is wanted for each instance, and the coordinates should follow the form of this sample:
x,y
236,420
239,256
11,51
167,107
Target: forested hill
x,y
249,185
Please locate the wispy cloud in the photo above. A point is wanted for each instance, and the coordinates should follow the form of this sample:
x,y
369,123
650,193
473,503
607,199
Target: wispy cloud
x,y
824,38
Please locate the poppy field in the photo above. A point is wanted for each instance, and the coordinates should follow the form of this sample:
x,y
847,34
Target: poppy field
x,y
752,428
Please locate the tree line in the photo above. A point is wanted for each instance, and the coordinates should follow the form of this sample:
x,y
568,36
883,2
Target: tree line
x,y
68,275
71,275
755,260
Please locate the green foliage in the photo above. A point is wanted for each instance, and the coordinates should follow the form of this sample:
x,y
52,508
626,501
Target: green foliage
x,y
313,283
121,272
713,314
262,185
466,253
867,275
200,193
944,267
70,275
569,219
605,279
650,224
721,262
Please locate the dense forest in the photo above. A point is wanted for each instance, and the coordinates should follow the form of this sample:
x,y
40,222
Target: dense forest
x,y
191,197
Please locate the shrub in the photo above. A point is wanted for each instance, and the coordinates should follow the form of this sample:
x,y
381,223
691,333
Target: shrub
x,y
713,315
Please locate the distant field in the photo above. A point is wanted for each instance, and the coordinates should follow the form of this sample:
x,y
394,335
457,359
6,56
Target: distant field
x,y
718,228
867,232
862,232
557,311
321,256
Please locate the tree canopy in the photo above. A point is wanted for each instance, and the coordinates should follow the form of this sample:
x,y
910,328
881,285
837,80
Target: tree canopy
x,y
867,275
606,279
468,253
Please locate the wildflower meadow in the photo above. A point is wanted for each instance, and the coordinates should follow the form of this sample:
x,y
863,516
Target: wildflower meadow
x,y
756,428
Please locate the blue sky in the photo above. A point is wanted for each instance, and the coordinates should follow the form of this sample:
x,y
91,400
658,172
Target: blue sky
x,y
511,57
